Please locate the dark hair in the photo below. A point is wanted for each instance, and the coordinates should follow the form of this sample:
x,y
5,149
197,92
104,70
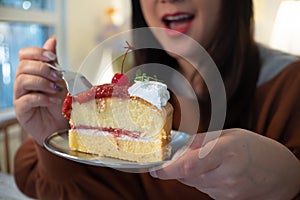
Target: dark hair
x,y
233,50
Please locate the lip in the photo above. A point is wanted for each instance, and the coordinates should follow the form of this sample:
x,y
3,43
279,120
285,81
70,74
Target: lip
x,y
177,23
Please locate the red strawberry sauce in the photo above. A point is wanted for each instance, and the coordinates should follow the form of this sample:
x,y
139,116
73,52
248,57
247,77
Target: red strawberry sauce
x,y
96,92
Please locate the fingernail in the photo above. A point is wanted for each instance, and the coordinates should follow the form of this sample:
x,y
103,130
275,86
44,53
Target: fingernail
x,y
49,55
55,100
55,75
56,87
153,174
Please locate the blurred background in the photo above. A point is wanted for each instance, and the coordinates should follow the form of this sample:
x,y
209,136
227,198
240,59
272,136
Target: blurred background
x,y
80,25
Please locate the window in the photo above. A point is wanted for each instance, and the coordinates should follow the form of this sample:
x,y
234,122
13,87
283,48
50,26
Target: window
x,y
29,4
23,23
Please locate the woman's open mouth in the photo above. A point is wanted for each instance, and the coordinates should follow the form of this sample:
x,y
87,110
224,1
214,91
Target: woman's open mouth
x,y
177,23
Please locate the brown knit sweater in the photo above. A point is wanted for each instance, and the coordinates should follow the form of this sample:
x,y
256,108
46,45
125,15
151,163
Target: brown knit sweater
x,y
42,175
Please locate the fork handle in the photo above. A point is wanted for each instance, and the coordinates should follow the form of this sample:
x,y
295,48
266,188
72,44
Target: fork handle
x,y
55,67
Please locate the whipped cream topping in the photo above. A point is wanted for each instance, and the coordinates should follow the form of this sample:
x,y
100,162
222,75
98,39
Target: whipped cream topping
x,y
154,92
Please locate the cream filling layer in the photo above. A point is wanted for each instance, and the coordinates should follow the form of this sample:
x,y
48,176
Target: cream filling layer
x,y
95,132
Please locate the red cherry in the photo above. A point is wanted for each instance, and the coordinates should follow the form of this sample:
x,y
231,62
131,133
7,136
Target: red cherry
x,y
120,79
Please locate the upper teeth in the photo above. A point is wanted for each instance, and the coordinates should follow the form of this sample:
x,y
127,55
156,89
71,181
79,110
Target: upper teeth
x,y
177,17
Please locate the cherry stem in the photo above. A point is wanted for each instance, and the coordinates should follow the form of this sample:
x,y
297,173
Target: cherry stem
x,y
128,48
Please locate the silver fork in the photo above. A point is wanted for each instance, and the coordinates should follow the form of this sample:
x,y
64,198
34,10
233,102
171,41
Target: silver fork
x,y
75,81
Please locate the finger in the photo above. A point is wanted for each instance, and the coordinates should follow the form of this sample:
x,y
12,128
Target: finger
x,y
50,44
192,161
202,181
196,141
27,104
176,169
187,166
36,53
26,83
34,100
38,68
202,139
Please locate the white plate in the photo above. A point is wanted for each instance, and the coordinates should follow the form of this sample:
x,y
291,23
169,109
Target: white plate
x,y
58,144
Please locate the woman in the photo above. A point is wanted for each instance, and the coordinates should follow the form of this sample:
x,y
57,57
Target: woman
x,y
256,157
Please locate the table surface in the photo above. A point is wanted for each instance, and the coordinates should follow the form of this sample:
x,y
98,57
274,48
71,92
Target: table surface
x,y
8,188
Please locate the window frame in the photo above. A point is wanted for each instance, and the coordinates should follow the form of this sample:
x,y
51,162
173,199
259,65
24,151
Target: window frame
x,y
55,19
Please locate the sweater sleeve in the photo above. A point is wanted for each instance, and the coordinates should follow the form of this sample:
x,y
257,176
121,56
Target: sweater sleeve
x,y
33,177
42,175
278,108
277,113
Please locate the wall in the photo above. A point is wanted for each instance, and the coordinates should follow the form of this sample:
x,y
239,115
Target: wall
x,y
84,21
265,13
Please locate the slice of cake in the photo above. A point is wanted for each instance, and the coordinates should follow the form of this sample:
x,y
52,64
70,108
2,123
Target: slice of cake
x,y
129,122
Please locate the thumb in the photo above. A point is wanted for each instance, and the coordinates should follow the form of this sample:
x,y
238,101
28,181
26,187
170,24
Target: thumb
x,y
50,44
